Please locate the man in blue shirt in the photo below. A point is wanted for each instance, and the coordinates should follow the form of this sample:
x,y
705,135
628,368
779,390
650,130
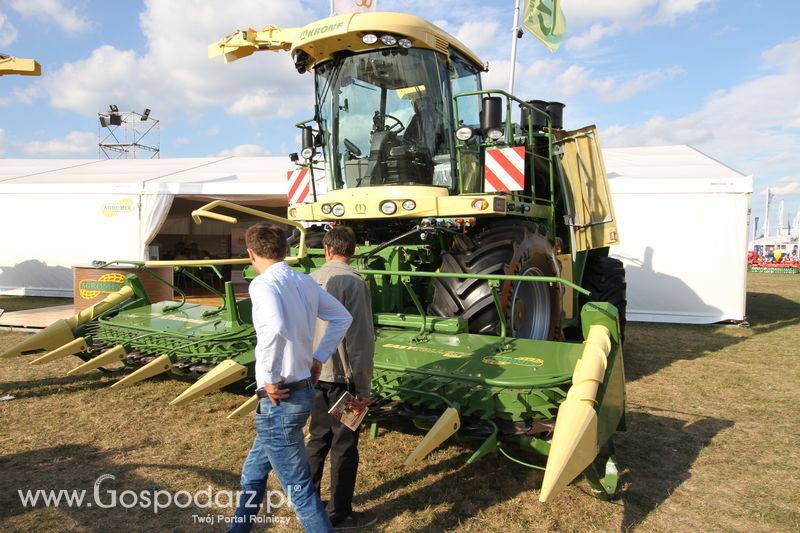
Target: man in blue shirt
x,y
286,305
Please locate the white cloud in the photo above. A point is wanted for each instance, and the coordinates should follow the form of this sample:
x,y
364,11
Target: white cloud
x,y
244,150
788,185
631,13
576,79
182,141
619,15
269,102
736,125
8,33
497,76
543,68
57,12
90,85
76,143
612,90
20,96
784,55
174,75
590,37
573,80
479,34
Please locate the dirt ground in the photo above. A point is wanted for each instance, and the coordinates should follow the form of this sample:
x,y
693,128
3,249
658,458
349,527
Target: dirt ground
x,y
712,445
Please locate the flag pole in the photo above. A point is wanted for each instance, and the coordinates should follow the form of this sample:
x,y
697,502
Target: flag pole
x,y
514,39
766,223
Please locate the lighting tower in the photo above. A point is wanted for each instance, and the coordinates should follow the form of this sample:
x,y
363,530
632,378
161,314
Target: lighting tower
x,y
128,134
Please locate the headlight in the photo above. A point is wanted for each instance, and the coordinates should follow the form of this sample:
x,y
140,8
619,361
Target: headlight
x,y
389,40
464,133
326,209
338,210
409,205
480,205
293,212
495,134
388,207
307,153
405,43
369,38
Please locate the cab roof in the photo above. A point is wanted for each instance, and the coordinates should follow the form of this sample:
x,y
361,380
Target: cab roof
x,y
324,38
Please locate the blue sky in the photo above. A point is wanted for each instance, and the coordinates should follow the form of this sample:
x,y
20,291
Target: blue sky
x,y
721,75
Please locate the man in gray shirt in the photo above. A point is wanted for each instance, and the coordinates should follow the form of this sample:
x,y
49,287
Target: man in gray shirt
x,y
349,369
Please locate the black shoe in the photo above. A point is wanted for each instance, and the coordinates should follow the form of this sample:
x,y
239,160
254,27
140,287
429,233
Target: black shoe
x,y
355,521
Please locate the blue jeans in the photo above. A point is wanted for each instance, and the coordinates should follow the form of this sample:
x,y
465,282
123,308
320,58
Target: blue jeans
x,y
279,446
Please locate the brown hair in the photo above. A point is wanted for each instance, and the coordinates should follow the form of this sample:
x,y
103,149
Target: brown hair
x,y
267,241
342,240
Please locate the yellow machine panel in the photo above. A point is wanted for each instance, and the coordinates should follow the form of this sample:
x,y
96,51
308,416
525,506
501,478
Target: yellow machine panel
x,y
17,65
592,224
321,39
428,202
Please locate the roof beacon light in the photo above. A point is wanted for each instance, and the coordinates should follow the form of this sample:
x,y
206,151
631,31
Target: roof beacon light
x,y
369,38
389,40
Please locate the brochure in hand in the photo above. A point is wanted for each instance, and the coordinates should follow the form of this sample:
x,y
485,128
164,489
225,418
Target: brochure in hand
x,y
347,415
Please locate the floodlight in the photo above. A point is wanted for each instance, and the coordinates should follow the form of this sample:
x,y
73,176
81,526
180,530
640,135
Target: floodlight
x,y
146,114
113,108
115,119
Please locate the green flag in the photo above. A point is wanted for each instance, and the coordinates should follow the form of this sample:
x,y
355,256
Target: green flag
x,y
544,19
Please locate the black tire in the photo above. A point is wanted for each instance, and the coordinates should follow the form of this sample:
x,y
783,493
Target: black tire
x,y
506,247
605,279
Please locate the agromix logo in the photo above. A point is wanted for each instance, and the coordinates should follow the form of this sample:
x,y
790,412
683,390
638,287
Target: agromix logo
x,y
107,283
112,209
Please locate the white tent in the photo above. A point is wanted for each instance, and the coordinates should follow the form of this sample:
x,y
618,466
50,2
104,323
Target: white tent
x,y
58,213
682,219
683,224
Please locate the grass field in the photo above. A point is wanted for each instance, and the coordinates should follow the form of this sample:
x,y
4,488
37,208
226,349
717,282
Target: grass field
x,y
713,444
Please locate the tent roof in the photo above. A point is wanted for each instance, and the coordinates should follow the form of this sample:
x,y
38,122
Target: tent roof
x,y
672,169
650,169
183,176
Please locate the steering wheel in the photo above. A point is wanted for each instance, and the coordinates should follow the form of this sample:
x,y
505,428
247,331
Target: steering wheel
x,y
397,122
352,148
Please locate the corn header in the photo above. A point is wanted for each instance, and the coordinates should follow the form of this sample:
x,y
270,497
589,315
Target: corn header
x,y
20,66
484,232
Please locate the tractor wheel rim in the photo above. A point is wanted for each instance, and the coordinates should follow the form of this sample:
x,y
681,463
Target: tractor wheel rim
x,y
533,299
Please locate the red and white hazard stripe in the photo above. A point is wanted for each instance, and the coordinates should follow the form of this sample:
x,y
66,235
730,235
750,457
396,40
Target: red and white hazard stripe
x,y
299,185
505,169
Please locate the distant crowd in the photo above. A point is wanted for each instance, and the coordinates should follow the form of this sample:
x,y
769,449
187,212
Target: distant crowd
x,y
775,258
